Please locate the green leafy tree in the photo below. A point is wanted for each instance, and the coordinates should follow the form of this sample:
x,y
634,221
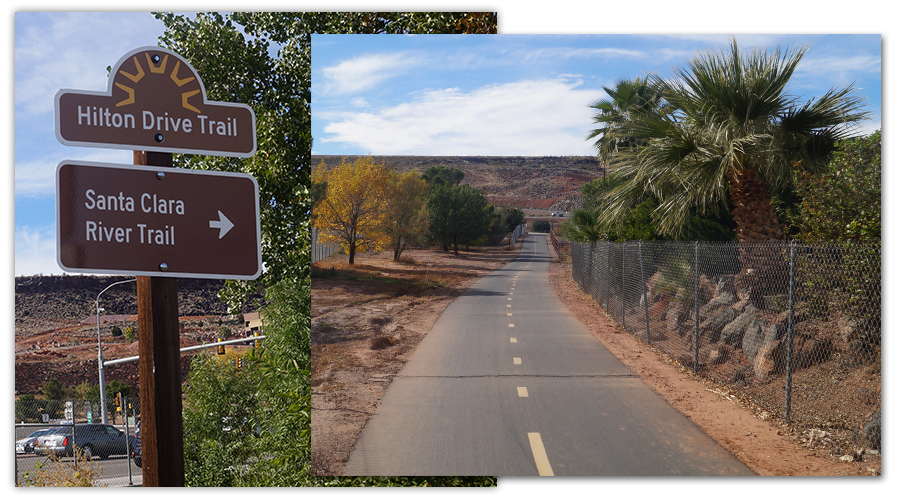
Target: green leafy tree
x,y
53,389
844,204
27,408
219,407
540,226
510,218
457,215
441,175
729,131
584,226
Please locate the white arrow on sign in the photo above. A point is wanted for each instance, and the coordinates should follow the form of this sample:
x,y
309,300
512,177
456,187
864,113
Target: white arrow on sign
x,y
223,224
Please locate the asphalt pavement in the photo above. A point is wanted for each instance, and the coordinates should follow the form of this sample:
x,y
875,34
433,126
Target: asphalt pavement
x,y
507,383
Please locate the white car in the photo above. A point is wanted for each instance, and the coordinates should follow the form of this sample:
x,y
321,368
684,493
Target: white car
x,y
26,445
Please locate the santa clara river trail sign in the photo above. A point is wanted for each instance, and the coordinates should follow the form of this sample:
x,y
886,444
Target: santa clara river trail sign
x,y
157,221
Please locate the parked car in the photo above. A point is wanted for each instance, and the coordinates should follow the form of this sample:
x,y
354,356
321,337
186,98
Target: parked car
x,y
93,439
26,445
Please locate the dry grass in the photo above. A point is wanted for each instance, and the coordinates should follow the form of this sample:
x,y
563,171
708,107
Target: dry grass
x,y
55,472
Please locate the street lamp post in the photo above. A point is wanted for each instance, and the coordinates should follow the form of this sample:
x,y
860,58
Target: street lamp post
x,y
102,376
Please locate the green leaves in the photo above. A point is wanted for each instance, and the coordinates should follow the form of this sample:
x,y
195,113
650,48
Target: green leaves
x,y
844,203
457,215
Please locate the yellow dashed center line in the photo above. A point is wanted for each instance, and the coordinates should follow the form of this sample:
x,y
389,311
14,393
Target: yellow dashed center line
x,y
523,392
512,340
517,361
540,456
511,325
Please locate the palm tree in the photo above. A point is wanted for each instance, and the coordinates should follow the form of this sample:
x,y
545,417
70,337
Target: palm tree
x,y
583,226
628,96
728,130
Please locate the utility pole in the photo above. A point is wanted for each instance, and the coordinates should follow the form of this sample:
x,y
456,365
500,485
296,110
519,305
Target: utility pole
x,y
162,442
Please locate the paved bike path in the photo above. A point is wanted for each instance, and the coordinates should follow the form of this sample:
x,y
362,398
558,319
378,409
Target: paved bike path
x,y
507,383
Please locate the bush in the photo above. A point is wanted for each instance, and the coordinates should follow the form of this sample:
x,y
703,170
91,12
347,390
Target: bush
x,y
540,226
844,203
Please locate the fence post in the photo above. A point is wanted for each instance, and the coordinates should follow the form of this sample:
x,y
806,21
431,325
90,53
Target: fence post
x,y
127,439
606,274
622,256
790,336
646,293
696,305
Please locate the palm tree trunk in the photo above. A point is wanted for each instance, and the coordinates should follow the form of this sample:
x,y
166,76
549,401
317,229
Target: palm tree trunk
x,y
764,270
753,212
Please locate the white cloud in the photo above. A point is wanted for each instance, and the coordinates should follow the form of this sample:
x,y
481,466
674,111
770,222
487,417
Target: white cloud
x,y
831,65
565,53
72,50
36,251
531,117
361,73
37,177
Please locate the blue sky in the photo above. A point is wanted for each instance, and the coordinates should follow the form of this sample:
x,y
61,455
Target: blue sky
x,y
55,50
524,95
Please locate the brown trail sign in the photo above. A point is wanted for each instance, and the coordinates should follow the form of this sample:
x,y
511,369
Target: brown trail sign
x,y
157,221
154,221
154,101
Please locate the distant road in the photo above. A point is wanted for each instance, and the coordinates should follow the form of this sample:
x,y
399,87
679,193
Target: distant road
x,y
507,383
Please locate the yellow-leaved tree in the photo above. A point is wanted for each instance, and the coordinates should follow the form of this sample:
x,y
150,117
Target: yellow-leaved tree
x,y
407,219
353,211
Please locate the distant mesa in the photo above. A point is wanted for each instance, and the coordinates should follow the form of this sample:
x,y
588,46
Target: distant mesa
x,y
526,182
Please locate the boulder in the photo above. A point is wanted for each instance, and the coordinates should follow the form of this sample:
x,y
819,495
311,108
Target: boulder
x,y
722,299
711,328
808,349
659,309
755,336
716,354
871,431
733,332
768,359
725,284
675,319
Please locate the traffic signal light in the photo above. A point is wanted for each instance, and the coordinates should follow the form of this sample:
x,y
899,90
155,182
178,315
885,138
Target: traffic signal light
x,y
256,342
240,363
220,350
118,401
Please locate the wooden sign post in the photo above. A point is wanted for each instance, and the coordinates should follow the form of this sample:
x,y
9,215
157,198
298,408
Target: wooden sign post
x,y
159,365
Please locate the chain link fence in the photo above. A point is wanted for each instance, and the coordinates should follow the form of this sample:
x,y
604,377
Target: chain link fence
x,y
794,328
65,442
322,251
514,236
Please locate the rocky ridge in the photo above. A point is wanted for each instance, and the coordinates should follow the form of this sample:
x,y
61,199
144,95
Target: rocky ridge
x,y
56,328
527,182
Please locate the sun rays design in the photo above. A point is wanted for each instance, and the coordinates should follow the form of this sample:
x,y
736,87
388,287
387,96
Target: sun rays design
x,y
159,68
